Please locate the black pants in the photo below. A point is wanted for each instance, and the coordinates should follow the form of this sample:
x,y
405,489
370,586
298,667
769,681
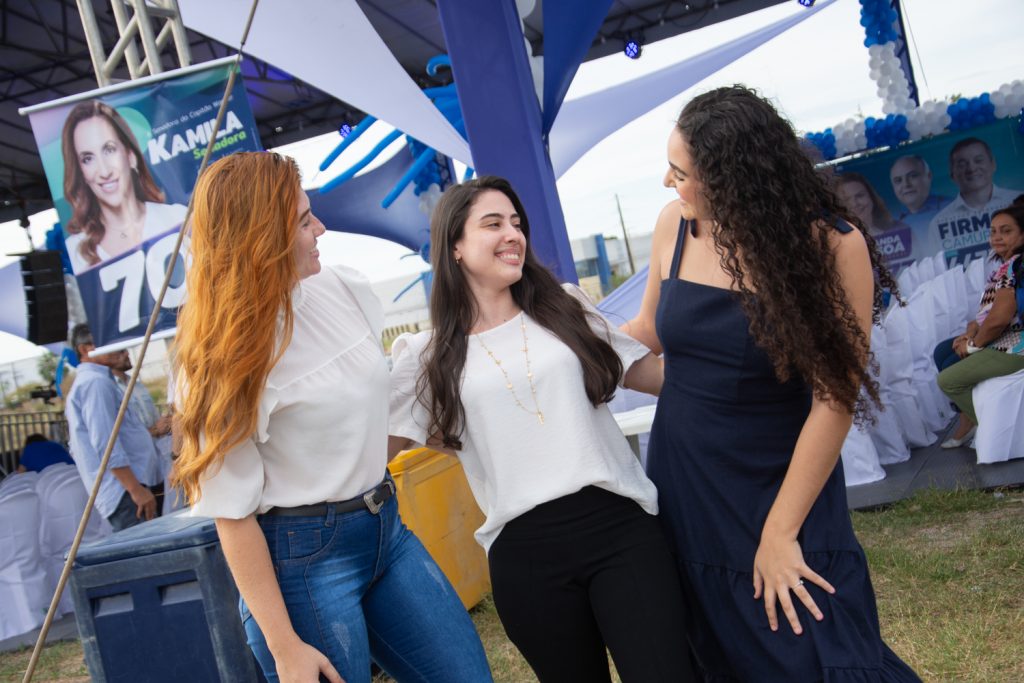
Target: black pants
x,y
587,571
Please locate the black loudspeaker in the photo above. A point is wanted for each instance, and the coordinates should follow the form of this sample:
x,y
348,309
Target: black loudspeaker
x,y
45,298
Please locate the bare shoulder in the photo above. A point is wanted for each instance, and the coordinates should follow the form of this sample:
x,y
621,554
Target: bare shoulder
x,y
850,247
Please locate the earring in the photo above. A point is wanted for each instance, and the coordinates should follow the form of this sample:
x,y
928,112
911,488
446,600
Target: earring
x,y
458,261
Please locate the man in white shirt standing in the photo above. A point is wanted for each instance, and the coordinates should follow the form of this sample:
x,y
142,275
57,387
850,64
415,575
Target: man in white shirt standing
x,y
961,228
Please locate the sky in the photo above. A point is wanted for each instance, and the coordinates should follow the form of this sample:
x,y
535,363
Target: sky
x,y
817,74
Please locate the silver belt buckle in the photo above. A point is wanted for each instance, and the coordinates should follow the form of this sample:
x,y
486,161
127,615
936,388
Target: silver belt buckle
x,y
371,502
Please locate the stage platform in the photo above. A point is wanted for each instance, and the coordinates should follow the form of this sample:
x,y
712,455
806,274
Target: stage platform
x,y
935,467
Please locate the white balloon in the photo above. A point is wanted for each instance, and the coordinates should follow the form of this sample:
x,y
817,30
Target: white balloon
x,y
525,7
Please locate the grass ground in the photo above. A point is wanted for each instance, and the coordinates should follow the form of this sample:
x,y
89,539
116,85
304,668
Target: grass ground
x,y
948,570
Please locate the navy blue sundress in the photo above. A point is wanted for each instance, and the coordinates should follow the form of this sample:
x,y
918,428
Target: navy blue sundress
x,y
721,442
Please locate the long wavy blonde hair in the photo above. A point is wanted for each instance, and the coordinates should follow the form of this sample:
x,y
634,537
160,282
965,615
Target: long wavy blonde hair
x,y
239,282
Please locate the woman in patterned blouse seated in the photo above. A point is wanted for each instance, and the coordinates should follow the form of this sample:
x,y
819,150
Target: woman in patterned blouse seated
x,y
991,345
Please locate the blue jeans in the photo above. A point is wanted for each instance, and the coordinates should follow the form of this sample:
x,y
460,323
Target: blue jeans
x,y
359,585
125,515
944,355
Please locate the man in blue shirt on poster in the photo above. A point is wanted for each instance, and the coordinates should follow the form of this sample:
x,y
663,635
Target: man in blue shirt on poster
x,y
911,180
127,496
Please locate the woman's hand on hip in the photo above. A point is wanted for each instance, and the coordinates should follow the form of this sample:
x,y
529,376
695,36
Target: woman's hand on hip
x,y
299,662
779,576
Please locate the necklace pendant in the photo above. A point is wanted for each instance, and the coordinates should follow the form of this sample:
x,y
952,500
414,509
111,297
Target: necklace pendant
x,y
540,417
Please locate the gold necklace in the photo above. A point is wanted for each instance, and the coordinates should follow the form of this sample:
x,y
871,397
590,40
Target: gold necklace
x,y
529,373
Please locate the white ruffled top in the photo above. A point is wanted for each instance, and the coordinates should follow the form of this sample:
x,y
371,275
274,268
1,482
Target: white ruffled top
x,y
513,462
321,432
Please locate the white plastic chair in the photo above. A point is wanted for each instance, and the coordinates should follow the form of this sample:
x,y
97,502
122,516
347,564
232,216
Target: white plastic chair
x,y
921,314
18,481
886,433
24,594
908,280
999,404
61,508
976,281
961,307
860,459
899,380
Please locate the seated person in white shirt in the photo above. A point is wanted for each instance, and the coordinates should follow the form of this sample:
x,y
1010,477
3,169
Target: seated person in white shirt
x,y
514,379
282,403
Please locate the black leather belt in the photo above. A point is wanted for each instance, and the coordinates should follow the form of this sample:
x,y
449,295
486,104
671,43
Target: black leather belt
x,y
373,500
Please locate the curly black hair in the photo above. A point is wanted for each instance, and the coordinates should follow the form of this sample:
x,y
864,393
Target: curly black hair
x,y
769,203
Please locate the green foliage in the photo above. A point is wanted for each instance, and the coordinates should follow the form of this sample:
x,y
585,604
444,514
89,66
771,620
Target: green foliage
x,y
47,366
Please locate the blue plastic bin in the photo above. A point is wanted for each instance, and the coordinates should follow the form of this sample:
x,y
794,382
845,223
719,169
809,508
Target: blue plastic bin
x,y
156,603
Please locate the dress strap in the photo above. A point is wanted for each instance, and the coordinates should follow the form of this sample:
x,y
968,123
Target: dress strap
x,y
843,227
684,227
840,224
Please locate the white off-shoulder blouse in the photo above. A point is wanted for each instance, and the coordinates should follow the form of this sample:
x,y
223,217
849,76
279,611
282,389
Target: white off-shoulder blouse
x,y
514,463
321,432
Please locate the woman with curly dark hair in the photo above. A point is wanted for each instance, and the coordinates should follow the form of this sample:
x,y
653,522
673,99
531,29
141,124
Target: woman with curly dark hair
x,y
761,296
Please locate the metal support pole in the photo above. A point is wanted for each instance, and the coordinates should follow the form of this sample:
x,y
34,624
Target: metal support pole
x,y
94,40
625,237
131,53
138,24
180,37
148,39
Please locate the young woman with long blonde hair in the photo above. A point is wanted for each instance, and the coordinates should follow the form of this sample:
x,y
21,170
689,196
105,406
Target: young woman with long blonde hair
x,y
283,409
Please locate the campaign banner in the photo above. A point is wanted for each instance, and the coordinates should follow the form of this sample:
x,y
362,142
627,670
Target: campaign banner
x,y
121,163
938,194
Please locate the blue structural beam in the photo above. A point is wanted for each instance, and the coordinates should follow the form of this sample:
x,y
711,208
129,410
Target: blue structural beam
x,y
903,52
503,118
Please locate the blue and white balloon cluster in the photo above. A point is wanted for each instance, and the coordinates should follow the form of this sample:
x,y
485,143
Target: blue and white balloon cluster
x,y
931,118
887,132
825,142
878,19
968,112
903,121
1008,100
887,73
850,135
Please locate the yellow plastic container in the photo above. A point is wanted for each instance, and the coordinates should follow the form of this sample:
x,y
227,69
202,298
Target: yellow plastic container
x,y
436,503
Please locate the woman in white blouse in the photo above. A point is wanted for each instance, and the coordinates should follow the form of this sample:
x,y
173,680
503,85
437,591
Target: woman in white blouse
x,y
514,379
283,411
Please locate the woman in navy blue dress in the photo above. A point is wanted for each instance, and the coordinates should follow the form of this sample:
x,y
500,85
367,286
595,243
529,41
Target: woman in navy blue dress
x,y
761,295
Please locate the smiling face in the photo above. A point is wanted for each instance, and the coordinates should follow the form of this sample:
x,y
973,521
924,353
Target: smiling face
x,y
106,164
681,177
911,182
492,248
857,199
309,227
1006,236
972,168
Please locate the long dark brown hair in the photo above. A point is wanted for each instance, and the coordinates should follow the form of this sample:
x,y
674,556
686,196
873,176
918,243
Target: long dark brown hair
x,y
770,205
453,310
85,208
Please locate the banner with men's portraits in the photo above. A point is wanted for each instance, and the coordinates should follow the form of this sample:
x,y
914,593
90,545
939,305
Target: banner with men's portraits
x,y
936,194
121,163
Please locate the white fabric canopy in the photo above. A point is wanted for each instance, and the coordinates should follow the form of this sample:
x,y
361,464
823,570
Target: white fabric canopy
x,y
331,45
585,121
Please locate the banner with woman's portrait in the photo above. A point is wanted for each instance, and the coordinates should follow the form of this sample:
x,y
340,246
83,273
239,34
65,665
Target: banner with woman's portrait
x,y
121,163
938,194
